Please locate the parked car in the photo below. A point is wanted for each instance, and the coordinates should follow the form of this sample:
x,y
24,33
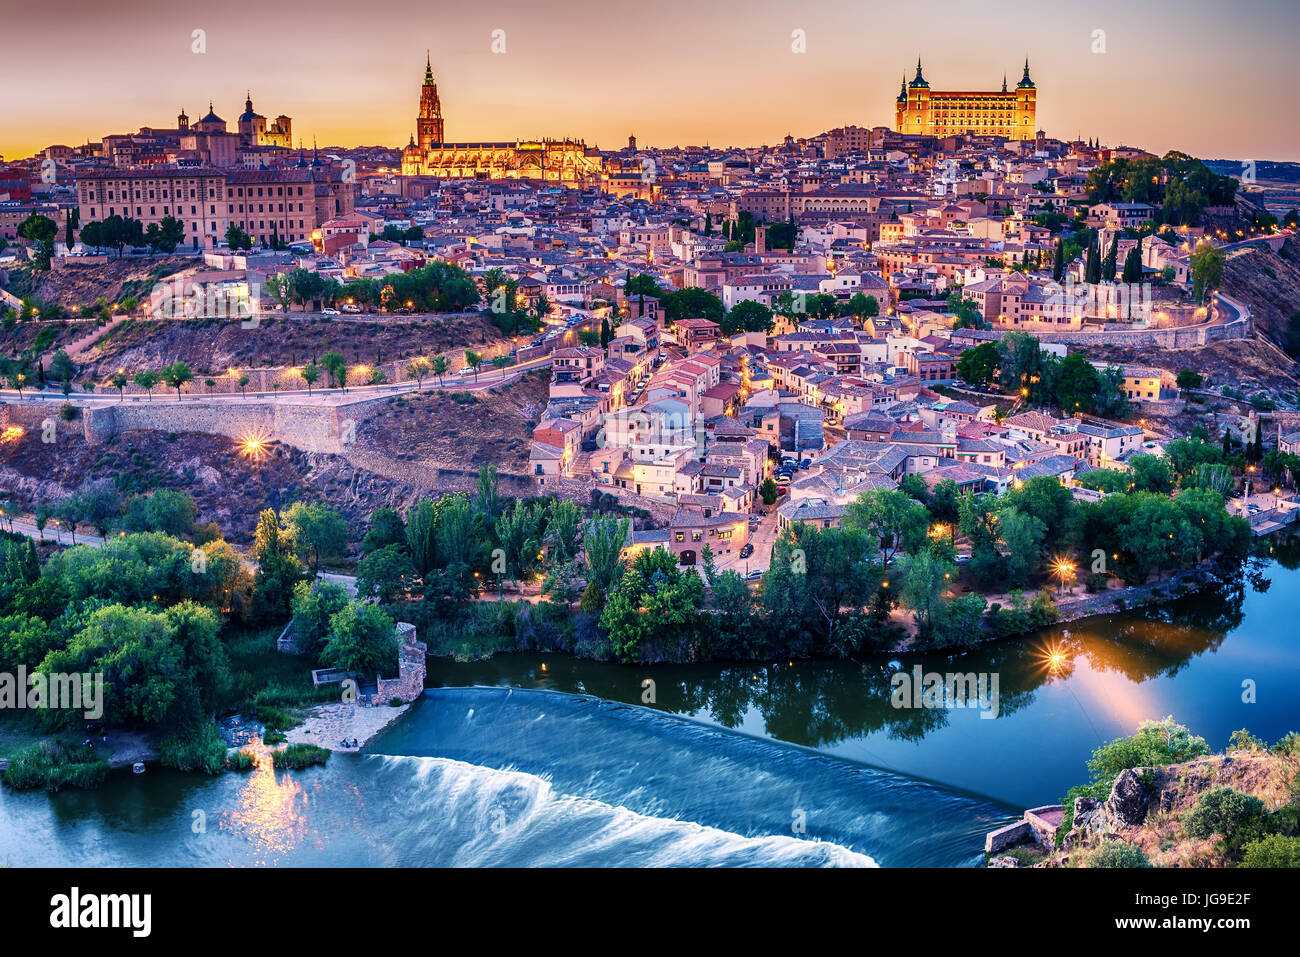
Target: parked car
x,y
747,550
329,312
468,370
351,307
805,463
754,576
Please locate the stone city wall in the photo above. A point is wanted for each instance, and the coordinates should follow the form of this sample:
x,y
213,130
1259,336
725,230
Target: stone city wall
x,y
312,428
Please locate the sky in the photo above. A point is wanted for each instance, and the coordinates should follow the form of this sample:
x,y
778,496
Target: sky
x,y
1214,79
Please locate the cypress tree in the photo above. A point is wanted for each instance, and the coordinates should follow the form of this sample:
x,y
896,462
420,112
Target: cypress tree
x,y
1058,262
1133,265
1092,271
1112,254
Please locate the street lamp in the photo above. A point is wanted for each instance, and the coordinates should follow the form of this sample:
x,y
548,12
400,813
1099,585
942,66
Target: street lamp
x,y
1064,569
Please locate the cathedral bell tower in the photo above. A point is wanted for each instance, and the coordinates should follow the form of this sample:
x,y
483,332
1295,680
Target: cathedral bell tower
x,y
428,125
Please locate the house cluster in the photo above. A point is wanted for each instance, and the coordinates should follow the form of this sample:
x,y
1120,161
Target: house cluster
x,y
679,414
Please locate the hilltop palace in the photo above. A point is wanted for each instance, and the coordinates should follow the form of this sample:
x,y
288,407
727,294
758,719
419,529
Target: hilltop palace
x,y
1009,113
564,161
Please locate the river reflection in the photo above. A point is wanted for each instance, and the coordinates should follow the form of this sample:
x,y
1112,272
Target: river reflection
x,y
1062,691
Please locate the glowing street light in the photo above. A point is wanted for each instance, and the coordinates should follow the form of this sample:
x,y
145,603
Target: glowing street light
x,y
1064,570
254,447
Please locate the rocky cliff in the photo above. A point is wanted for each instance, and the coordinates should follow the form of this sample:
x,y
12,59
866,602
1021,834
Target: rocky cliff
x,y
1146,807
1269,283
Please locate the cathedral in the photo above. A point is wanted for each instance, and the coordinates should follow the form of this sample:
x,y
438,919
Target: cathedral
x,y
428,154
1009,113
253,130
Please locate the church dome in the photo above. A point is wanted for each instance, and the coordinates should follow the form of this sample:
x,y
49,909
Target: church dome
x,y
248,113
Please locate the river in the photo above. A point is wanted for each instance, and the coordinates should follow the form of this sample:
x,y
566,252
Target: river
x,y
547,760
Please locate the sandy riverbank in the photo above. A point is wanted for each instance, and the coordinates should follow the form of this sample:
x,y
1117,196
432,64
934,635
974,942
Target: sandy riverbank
x,y
325,725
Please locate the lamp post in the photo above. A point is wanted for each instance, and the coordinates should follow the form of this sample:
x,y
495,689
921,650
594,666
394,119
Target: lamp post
x,y
1064,570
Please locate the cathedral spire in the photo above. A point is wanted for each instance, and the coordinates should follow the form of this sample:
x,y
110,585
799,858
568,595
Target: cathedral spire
x,y
1004,83
428,69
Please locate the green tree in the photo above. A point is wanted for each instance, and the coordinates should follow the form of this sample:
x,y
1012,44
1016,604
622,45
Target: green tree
x,y
176,375
692,303
439,366
652,610
923,577
166,235
603,541
236,238
319,531
62,368
146,379
384,574
313,605
337,369
278,567
474,361
1022,535
1207,269
1077,386
1225,812
519,531
746,316
172,513
417,369
38,229
118,380
978,367
1133,265
386,528
362,639
862,306
891,517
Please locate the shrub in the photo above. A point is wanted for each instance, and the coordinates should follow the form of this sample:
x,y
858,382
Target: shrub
x,y
67,412
1156,743
1238,818
1243,740
274,737
275,719
1288,744
1276,850
240,760
202,749
52,765
298,756
1118,854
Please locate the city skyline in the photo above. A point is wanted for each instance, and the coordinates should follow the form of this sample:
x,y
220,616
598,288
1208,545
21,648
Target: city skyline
x,y
1170,77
